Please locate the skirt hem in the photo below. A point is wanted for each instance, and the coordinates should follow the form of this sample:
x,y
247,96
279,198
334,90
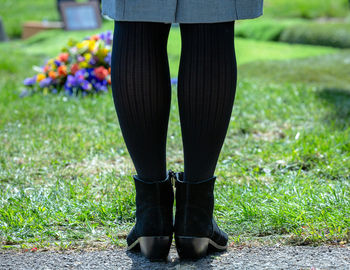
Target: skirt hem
x,y
164,20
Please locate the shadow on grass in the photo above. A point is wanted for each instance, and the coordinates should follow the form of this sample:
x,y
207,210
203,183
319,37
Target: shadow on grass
x,y
339,101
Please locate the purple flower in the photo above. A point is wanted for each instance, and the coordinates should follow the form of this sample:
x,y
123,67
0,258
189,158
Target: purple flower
x,y
57,63
80,58
90,72
81,73
70,82
29,81
92,61
107,37
81,79
100,85
108,59
45,82
78,81
103,35
85,85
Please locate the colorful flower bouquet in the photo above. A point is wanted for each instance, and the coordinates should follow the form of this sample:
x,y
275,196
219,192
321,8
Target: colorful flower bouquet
x,y
81,68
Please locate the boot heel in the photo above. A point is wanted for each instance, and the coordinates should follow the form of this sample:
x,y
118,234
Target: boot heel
x,y
155,248
191,247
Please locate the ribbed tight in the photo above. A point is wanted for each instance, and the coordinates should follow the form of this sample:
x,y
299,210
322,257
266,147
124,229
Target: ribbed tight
x,y
142,93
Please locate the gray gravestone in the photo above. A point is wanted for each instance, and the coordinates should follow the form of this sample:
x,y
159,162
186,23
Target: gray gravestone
x,y
3,36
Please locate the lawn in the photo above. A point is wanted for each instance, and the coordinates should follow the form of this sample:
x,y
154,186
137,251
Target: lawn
x,y
283,173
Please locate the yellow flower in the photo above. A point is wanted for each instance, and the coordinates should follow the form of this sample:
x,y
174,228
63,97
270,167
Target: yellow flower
x,y
101,54
79,45
87,56
51,61
92,45
40,77
83,64
83,44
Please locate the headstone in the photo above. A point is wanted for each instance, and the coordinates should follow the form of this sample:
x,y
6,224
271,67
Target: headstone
x,y
59,2
59,6
81,16
3,36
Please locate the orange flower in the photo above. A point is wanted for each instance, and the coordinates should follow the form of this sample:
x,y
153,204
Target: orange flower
x,y
63,57
46,68
62,70
109,70
109,81
101,73
74,68
52,74
95,37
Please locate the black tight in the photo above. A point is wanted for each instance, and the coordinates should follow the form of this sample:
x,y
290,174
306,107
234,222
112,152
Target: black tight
x,y
142,93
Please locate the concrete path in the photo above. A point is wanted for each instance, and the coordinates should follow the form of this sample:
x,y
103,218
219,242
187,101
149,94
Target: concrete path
x,y
273,257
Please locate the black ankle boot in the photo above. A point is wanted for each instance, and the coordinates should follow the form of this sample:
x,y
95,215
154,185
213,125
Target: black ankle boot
x,y
196,232
152,233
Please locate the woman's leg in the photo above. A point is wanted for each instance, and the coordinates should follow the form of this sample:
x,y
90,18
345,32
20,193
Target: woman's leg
x,y
142,93
206,92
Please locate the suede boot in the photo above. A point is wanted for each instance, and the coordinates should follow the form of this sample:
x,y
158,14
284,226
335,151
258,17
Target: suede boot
x,y
196,232
152,233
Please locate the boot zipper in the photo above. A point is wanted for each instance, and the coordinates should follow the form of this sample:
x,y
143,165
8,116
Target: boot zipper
x,y
173,177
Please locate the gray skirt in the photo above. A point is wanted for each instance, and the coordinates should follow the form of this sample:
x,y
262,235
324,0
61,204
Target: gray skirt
x,y
182,11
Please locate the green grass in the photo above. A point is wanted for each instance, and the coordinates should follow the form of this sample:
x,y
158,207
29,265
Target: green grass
x,y
327,71
283,173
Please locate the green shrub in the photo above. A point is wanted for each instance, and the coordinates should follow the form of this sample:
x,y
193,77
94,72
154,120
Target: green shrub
x,y
296,31
263,29
330,34
308,9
